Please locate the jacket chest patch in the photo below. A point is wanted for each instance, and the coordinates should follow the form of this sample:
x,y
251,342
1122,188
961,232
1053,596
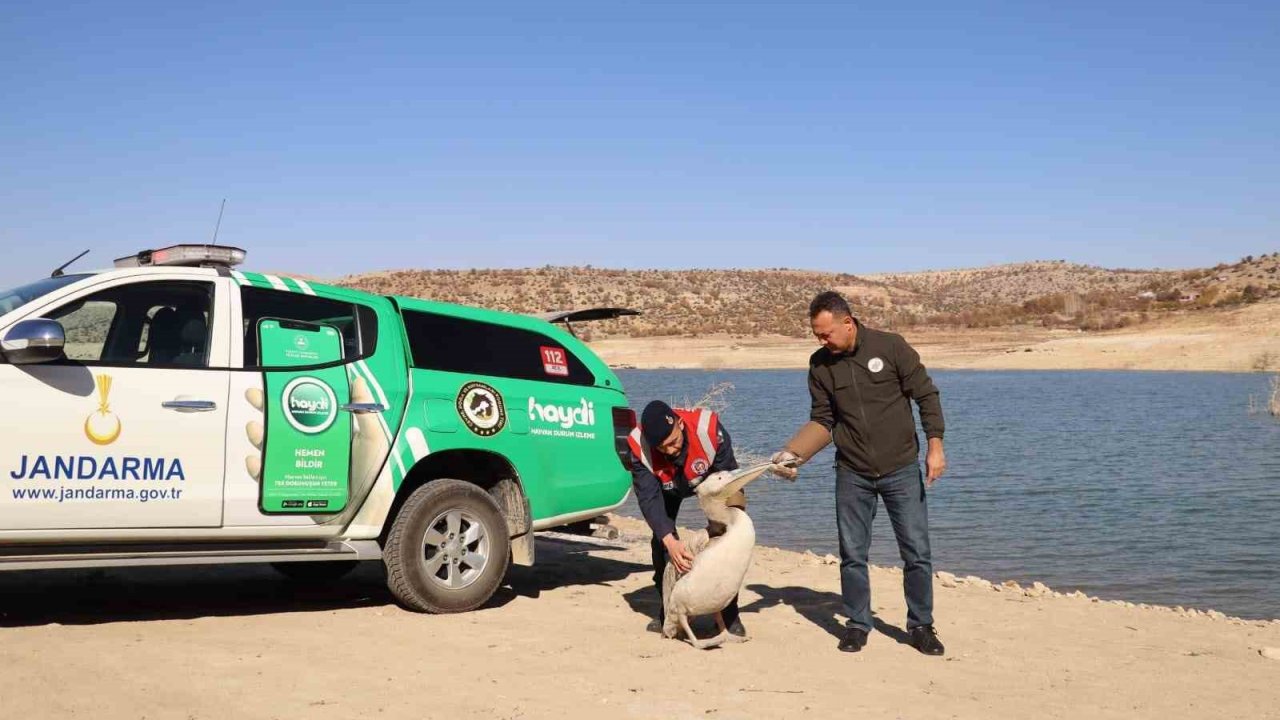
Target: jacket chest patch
x,y
875,365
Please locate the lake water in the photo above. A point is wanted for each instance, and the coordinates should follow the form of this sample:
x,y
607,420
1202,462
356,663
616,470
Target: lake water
x,y
1149,487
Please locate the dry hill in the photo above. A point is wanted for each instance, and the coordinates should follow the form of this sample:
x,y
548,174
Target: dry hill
x,y
761,302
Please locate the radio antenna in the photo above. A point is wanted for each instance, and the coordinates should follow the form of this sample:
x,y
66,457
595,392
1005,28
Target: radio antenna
x,y
219,223
58,272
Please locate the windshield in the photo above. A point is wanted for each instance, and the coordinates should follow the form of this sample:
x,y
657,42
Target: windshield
x,y
15,297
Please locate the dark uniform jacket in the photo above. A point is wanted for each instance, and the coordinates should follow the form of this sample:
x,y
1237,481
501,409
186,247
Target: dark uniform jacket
x,y
864,398
648,488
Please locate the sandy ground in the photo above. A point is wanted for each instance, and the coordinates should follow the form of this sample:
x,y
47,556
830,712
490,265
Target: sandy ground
x,y
1241,340
567,640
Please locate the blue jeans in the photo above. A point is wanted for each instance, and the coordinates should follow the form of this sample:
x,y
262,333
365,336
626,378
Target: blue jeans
x,y
904,498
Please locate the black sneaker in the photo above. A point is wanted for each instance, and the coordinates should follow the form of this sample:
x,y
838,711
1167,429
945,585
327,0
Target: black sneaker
x,y
925,639
855,638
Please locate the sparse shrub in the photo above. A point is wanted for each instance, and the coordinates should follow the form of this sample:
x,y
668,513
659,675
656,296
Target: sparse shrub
x,y
1208,296
1229,299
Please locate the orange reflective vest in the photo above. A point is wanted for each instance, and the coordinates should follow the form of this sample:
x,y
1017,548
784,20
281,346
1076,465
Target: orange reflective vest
x,y
702,440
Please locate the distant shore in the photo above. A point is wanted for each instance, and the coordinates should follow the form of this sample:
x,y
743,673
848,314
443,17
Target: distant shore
x,y
1242,340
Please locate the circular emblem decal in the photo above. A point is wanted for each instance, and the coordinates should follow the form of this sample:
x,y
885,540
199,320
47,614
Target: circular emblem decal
x,y
309,405
876,365
700,466
482,409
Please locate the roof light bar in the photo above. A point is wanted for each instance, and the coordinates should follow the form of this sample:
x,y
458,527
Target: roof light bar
x,y
185,255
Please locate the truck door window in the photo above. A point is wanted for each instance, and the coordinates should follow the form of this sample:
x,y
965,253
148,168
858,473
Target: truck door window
x,y
86,325
454,344
162,324
357,323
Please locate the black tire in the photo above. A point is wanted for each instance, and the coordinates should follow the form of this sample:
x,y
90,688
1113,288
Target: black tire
x,y
316,572
429,568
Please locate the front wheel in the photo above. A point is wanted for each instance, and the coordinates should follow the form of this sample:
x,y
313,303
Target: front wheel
x,y
448,548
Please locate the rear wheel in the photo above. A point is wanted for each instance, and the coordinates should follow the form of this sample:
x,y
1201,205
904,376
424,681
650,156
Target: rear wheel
x,y
448,548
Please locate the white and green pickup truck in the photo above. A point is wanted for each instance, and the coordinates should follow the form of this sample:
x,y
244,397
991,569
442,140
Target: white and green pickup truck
x,y
175,410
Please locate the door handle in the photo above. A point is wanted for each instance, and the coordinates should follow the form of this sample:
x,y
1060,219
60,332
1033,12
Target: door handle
x,y
189,405
362,408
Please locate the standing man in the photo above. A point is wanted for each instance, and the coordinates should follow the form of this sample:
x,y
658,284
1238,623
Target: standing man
x,y
861,382
671,452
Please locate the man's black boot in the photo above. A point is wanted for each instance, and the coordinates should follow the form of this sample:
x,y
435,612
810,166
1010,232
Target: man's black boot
x,y
925,639
855,638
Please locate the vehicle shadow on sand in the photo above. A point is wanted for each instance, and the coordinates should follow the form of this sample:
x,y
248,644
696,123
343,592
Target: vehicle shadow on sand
x,y
110,595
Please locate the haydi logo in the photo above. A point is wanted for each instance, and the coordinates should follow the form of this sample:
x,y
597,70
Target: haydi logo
x,y
310,405
319,405
564,416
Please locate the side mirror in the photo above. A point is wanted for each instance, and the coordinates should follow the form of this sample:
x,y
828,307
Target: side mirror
x,y
34,341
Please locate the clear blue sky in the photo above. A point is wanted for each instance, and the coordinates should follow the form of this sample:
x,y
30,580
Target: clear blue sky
x,y
727,134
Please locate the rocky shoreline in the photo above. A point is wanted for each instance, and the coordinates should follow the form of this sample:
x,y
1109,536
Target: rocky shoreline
x,y
635,532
